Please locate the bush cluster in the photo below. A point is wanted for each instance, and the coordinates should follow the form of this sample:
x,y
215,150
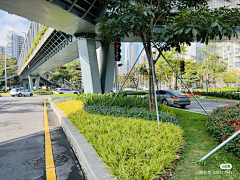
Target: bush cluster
x,y
134,112
42,91
132,149
195,94
222,94
129,92
121,101
224,122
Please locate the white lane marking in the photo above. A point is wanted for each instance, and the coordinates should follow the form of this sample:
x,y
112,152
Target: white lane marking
x,y
3,104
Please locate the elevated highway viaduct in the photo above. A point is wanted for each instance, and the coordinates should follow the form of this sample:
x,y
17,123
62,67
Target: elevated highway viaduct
x,y
71,33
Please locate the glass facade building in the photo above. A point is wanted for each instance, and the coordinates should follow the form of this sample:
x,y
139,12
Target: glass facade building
x,y
14,44
2,50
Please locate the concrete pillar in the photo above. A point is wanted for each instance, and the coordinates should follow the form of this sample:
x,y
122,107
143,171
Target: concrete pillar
x,y
30,84
89,66
24,83
107,67
50,87
37,83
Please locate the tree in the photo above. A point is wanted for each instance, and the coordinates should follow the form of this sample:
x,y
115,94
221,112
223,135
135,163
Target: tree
x,y
164,72
143,72
194,20
70,74
233,76
212,64
190,76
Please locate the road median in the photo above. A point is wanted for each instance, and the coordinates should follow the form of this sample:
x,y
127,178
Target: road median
x,y
91,164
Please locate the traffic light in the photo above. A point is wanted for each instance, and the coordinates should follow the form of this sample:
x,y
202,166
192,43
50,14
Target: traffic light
x,y
77,68
118,51
182,66
62,67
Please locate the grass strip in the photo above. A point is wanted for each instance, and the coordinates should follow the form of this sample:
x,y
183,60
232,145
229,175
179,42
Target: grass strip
x,y
199,143
132,149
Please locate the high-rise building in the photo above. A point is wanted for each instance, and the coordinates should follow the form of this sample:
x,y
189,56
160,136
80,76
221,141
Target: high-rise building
x,y
133,54
221,3
122,69
2,50
143,59
230,52
127,56
14,44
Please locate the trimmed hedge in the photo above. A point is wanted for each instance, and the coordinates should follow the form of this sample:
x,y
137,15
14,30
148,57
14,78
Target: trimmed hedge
x,y
134,112
42,92
223,123
132,149
121,101
129,92
222,94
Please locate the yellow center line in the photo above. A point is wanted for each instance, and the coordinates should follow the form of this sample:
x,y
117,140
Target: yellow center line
x,y
50,168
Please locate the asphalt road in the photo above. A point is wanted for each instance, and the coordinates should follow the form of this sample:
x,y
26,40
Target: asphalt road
x,y
22,143
209,106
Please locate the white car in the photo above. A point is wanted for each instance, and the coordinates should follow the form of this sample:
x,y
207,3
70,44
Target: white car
x,y
64,91
20,92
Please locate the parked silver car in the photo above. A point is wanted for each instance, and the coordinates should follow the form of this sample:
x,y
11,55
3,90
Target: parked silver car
x,y
20,92
172,98
64,91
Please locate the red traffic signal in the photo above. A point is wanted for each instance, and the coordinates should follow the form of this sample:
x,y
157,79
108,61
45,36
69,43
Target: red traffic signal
x,y
77,68
62,67
182,66
118,51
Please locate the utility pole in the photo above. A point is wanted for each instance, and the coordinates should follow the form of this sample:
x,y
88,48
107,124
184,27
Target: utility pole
x,y
116,77
6,69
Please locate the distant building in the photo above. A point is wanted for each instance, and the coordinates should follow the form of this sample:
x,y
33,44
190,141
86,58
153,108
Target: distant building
x,y
143,59
14,44
122,69
194,51
127,56
231,52
221,3
133,54
2,50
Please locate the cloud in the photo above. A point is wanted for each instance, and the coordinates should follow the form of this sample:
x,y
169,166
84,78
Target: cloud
x,y
10,22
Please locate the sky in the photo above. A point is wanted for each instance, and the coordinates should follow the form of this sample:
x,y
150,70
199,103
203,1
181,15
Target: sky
x,y
10,22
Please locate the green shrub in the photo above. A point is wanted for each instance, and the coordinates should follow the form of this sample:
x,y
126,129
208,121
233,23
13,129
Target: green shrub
x,y
223,123
42,91
130,92
121,101
132,149
134,112
222,94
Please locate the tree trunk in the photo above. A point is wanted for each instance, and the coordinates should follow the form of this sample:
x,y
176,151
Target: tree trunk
x,y
169,83
175,84
152,106
156,80
147,46
143,82
236,86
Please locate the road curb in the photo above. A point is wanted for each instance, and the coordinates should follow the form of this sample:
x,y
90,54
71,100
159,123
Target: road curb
x,y
91,164
215,100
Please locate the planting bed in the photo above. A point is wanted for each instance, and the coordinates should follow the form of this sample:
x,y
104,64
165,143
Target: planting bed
x,y
132,148
223,123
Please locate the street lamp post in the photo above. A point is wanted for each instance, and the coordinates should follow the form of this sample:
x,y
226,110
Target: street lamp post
x,y
6,69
